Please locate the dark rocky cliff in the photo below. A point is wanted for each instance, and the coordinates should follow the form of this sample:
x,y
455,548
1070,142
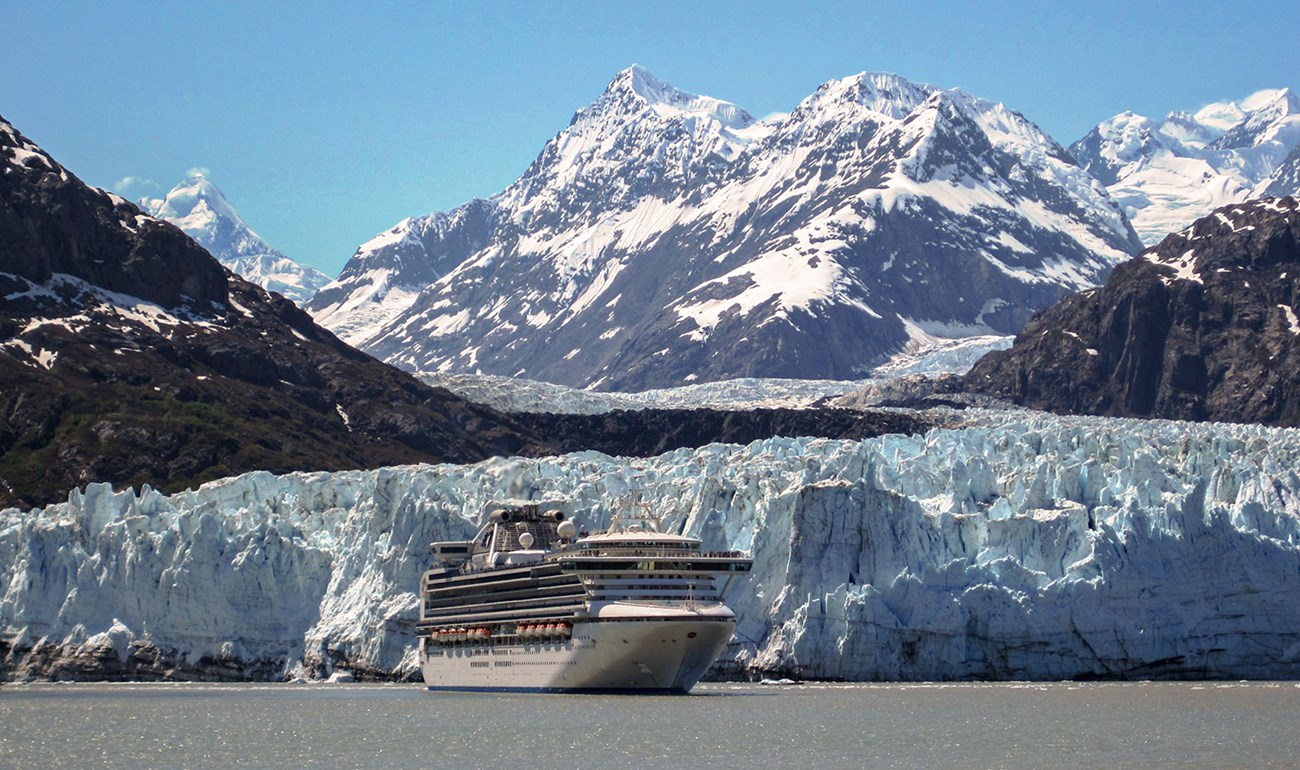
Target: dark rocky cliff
x,y
1202,326
129,355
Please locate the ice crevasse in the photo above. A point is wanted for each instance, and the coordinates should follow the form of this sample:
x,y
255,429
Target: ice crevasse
x,y
1021,546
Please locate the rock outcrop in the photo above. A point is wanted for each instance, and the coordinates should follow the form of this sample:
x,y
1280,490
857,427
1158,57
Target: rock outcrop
x,y
1202,326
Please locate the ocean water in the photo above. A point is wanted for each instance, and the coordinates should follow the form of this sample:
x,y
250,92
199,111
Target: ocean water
x,y
1146,725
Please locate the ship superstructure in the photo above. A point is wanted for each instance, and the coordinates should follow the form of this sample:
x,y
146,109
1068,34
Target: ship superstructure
x,y
532,603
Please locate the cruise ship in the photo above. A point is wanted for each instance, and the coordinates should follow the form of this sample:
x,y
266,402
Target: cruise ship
x,y
533,604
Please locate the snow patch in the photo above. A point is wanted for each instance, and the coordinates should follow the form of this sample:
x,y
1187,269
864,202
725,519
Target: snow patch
x,y
1292,323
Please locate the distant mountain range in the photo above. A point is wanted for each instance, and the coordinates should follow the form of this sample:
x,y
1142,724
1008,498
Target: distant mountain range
x,y
1203,326
1169,172
664,238
199,208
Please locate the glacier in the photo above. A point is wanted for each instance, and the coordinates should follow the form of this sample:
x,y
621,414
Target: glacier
x,y
934,356
1008,545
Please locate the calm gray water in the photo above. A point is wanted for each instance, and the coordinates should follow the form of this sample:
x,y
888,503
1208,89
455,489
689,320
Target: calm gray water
x,y
1211,725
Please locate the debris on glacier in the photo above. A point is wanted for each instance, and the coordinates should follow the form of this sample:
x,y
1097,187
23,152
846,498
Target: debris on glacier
x,y
1022,546
511,394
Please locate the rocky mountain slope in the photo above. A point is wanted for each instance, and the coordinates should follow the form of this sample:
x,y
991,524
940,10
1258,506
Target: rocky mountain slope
x,y
199,208
1166,173
664,238
129,355
1203,326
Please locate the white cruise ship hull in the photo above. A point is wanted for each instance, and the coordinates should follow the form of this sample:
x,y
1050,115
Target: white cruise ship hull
x,y
662,652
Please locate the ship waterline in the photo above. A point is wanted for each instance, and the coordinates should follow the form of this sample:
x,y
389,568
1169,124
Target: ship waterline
x,y
658,654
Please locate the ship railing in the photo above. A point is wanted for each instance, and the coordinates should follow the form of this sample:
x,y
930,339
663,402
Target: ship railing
x,y
652,553
540,613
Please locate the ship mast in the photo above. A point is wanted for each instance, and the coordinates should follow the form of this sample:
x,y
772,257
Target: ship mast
x,y
632,512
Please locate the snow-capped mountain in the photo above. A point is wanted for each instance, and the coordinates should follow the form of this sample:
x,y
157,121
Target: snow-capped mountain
x,y
664,238
1022,546
387,272
1167,173
199,208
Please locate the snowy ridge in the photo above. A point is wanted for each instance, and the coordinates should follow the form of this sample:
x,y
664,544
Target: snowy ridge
x,y
112,310
1164,174
18,151
198,207
1025,546
385,275
664,239
1186,261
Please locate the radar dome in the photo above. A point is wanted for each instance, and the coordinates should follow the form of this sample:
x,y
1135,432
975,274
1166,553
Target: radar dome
x,y
566,530
526,540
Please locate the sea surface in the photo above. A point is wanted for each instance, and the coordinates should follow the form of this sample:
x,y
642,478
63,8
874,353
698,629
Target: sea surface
x,y
1146,725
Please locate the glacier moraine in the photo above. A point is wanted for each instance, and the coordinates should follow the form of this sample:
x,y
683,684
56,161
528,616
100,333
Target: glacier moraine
x,y
1023,546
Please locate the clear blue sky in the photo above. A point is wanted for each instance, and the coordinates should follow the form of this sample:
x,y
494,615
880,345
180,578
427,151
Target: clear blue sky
x,y
328,122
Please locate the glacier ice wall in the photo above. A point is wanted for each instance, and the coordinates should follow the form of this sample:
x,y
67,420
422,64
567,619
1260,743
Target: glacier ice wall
x,y
1023,546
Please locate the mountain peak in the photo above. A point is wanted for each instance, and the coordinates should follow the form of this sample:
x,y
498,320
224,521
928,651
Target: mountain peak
x,y
636,90
201,209
893,96
1266,97
648,246
643,83
20,152
194,205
